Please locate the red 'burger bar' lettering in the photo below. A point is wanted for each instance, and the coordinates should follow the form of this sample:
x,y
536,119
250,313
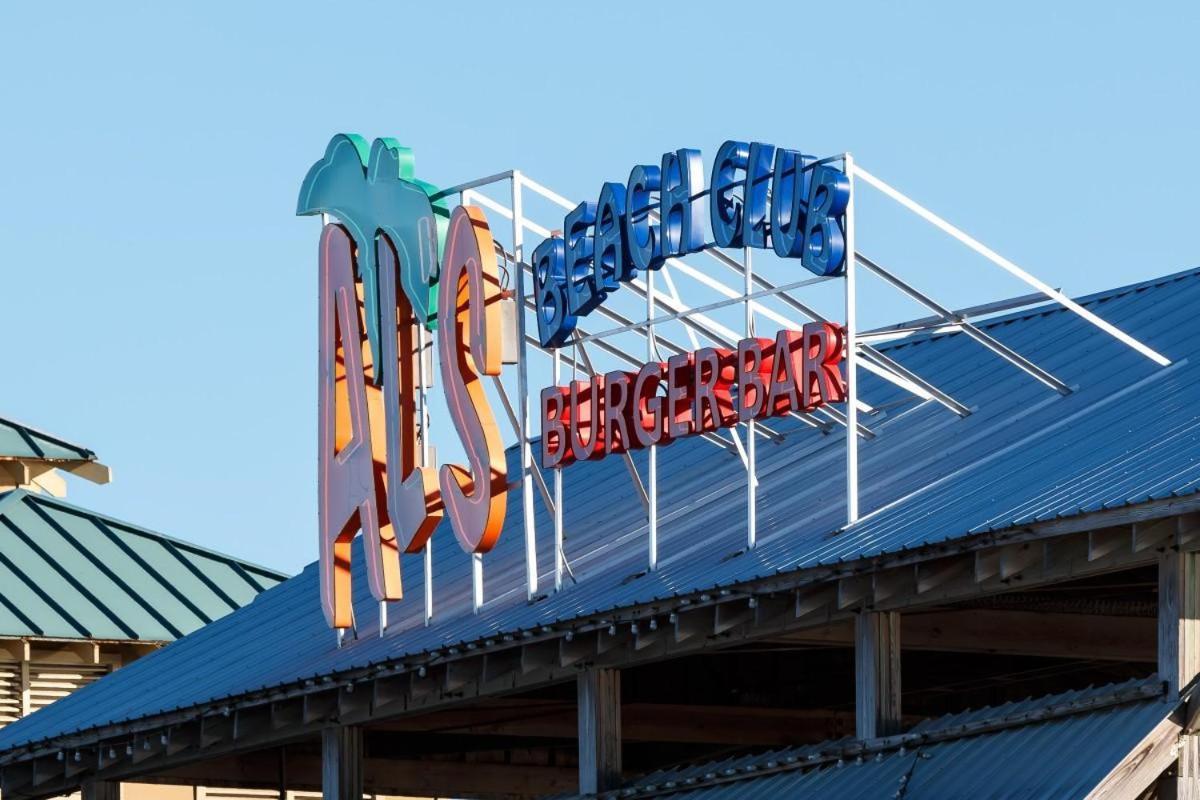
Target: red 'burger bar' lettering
x,y
692,393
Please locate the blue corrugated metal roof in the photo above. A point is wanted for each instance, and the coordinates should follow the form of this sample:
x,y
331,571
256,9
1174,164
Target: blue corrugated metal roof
x,y
22,441
70,573
1059,758
1128,434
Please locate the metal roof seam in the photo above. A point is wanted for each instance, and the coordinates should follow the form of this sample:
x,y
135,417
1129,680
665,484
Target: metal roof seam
x,y
137,530
129,591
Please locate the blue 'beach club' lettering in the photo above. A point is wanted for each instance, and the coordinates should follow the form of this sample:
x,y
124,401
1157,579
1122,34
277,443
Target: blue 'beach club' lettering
x,y
612,240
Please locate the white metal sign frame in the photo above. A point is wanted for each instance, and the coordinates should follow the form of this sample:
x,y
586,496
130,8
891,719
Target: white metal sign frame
x,y
749,291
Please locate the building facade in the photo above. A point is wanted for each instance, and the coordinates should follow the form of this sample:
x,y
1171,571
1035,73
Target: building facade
x,y
755,550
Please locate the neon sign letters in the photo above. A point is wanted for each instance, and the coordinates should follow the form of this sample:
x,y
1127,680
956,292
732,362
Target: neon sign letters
x,y
692,393
379,271
384,289
659,214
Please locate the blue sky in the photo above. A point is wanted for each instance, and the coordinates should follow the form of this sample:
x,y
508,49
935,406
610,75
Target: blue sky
x,y
159,294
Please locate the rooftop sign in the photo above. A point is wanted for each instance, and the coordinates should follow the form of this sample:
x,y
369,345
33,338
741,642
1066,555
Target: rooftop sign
x,y
400,268
659,214
391,262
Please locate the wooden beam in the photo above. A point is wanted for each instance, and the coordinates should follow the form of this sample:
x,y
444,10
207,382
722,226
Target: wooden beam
x,y
1187,531
101,790
1016,558
599,693
809,601
1153,535
987,564
1107,541
381,776
341,763
1184,784
1178,619
1092,637
460,673
215,729
891,583
611,638
47,769
646,634
1179,656
640,722
877,673
729,616
934,574
692,623
92,471
853,590
1142,766
573,649
502,663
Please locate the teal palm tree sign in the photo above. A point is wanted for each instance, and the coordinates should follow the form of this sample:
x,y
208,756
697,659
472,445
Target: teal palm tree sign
x,y
372,192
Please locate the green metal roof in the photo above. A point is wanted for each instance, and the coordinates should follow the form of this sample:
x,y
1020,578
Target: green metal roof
x,y
66,572
22,441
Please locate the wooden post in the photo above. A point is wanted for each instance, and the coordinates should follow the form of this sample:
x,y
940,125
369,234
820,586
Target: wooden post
x,y
599,730
877,673
1179,657
101,790
1178,618
283,773
341,763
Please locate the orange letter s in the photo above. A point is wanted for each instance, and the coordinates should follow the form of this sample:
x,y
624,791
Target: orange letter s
x,y
468,348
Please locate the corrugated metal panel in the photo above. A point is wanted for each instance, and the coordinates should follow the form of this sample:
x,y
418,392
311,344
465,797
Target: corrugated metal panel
x,y
1128,434
1061,758
69,573
22,441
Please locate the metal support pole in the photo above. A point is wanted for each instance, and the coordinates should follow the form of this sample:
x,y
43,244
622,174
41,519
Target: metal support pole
x,y
985,339
652,455
851,358
423,410
751,447
558,496
427,559
518,234
476,582
998,260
